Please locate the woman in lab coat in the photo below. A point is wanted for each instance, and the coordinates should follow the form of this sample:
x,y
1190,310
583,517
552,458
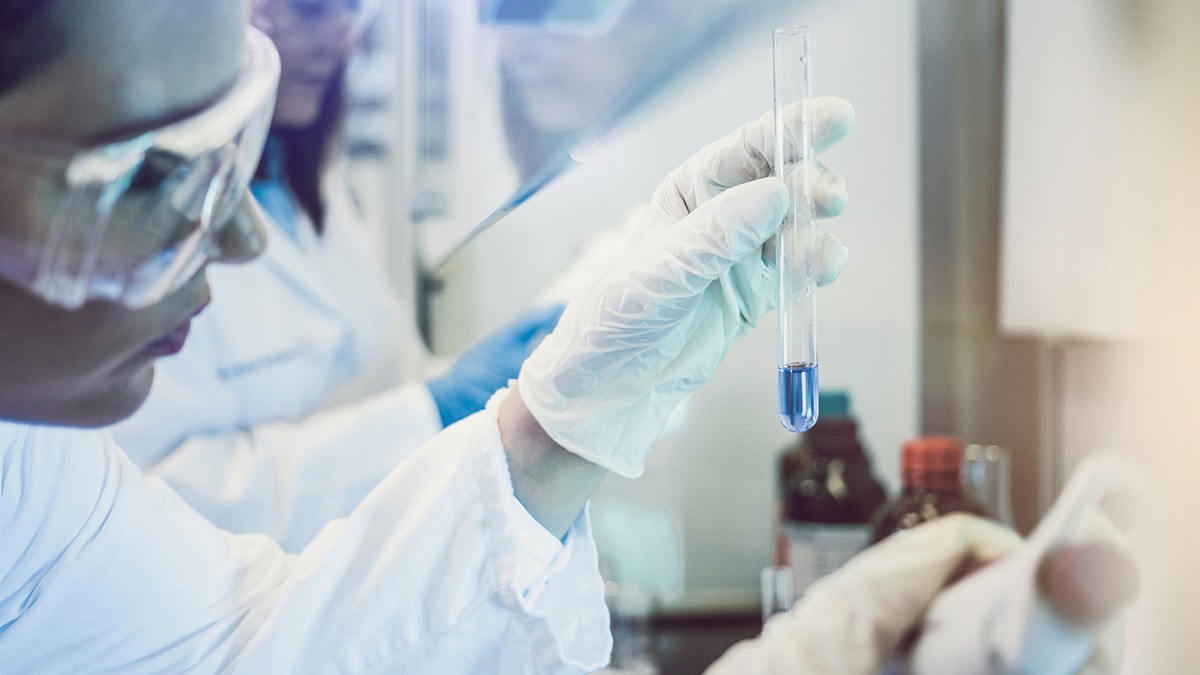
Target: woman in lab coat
x,y
472,556
113,199
291,399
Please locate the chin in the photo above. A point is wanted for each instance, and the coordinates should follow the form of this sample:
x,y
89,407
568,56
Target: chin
x,y
109,407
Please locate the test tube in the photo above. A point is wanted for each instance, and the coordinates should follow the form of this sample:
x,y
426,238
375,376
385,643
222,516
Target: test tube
x,y
986,475
796,241
778,590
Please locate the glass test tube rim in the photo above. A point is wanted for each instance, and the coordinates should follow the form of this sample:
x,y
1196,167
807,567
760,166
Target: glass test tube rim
x,y
797,357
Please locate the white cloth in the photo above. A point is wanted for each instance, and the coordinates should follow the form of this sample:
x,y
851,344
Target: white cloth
x,y
287,404
439,571
853,621
850,622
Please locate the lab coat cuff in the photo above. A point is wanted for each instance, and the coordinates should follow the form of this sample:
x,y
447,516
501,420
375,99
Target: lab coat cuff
x,y
556,583
527,546
578,541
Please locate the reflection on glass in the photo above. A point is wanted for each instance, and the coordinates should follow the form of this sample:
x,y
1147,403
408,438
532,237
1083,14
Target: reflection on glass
x,y
986,477
577,16
629,609
778,592
537,79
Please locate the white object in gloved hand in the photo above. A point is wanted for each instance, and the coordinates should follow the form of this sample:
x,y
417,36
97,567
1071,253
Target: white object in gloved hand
x,y
658,320
1040,609
851,622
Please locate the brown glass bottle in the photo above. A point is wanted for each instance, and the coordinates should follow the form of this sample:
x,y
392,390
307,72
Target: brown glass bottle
x,y
794,459
932,488
828,504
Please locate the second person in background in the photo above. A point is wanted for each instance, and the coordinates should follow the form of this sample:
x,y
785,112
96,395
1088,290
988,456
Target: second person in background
x,y
289,401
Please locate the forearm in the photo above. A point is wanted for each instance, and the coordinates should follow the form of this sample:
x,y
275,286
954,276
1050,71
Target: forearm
x,y
552,483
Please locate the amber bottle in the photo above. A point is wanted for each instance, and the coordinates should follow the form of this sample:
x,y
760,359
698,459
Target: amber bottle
x,y
929,468
828,504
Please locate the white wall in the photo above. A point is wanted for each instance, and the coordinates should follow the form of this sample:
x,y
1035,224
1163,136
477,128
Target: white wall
x,y
715,473
1142,398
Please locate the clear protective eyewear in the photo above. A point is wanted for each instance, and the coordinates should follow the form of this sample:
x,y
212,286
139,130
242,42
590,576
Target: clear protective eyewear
x,y
136,219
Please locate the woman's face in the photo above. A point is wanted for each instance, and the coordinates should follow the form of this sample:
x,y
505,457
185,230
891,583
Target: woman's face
x,y
123,66
315,38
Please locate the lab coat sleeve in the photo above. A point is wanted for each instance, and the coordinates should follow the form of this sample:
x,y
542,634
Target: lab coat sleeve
x,y
288,479
439,570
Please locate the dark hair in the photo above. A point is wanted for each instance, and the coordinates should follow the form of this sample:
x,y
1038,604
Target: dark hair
x,y
27,39
307,151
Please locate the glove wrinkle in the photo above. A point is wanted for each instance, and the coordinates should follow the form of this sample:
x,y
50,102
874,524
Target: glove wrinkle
x,y
657,322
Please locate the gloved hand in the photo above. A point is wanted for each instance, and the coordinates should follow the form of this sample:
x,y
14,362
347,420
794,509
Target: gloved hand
x,y
853,621
662,314
488,365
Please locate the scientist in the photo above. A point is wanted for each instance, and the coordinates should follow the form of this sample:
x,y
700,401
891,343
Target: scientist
x,y
296,394
128,133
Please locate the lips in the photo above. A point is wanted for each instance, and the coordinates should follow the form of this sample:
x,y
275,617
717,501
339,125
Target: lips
x,y
172,343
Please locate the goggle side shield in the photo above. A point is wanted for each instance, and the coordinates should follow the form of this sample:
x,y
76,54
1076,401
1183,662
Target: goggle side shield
x,y
140,215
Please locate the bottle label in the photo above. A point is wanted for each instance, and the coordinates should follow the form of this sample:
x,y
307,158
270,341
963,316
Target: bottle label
x,y
817,549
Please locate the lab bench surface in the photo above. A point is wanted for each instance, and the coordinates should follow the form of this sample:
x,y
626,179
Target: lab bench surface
x,y
687,644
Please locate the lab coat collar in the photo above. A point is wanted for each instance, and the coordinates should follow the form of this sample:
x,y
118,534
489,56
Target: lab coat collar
x,y
292,256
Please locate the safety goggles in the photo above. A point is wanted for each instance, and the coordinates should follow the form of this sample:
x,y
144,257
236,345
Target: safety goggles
x,y
557,16
134,220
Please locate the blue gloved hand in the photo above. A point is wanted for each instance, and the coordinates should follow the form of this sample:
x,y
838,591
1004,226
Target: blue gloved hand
x,y
489,364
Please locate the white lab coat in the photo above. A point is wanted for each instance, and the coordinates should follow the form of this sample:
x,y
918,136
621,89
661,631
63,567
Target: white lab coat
x,y
439,571
287,403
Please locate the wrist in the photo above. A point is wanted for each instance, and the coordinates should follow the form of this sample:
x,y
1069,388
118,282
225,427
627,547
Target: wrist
x,y
550,481
521,433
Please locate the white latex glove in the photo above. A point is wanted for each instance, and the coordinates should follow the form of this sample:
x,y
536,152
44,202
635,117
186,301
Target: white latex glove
x,y
853,621
656,322
833,116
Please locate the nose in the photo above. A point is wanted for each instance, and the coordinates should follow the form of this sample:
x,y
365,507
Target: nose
x,y
244,237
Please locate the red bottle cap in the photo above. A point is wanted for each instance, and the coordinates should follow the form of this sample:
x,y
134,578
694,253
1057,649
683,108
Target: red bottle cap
x,y
931,454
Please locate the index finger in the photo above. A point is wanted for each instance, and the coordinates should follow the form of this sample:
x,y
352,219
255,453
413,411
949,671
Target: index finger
x,y
748,153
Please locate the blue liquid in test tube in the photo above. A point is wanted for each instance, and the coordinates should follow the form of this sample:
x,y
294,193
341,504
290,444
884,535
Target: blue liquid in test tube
x,y
796,240
798,396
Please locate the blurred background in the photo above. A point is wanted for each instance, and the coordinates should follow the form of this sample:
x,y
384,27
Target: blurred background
x,y
1022,232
